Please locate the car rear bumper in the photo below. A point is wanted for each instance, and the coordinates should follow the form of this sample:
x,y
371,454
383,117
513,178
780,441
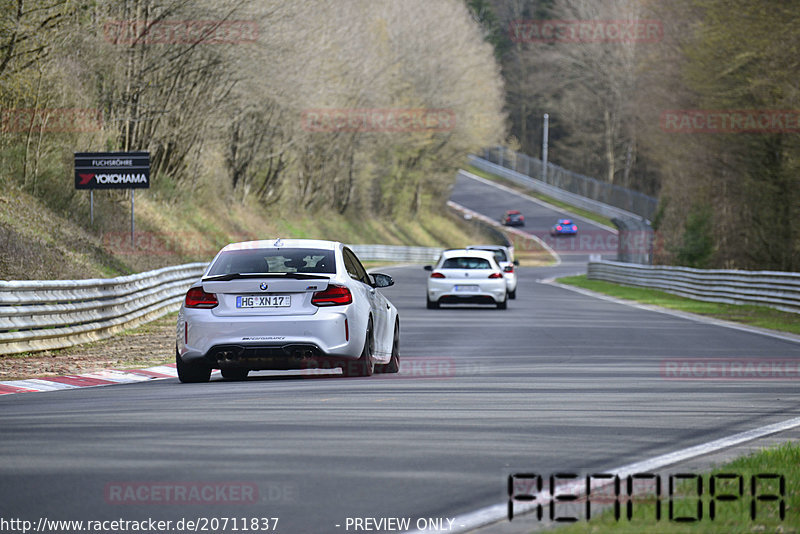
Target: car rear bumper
x,y
488,293
263,357
290,342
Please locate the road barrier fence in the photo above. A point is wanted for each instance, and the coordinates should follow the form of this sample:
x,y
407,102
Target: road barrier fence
x,y
775,289
605,198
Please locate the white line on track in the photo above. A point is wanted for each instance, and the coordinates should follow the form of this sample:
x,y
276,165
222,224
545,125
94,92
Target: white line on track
x,y
499,512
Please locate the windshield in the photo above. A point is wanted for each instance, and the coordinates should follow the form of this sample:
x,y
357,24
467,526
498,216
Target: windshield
x,y
274,260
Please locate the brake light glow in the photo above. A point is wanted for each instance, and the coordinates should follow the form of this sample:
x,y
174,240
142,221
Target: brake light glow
x,y
496,275
335,295
437,275
558,227
197,298
508,269
575,228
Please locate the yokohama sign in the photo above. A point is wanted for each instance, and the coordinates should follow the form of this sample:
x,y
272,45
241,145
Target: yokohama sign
x,y
112,170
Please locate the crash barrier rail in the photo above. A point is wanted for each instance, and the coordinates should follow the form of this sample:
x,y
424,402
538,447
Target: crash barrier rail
x,y
53,314
776,289
603,198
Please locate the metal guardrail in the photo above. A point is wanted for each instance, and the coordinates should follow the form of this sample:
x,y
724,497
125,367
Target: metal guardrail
x,y
612,195
53,314
776,289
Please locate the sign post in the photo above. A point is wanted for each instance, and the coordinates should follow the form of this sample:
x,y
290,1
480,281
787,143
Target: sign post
x,y
112,170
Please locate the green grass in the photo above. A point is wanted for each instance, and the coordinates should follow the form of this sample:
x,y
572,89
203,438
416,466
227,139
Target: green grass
x,y
759,316
731,517
550,200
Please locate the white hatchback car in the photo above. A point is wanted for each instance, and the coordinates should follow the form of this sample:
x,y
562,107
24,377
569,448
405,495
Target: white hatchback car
x,y
506,262
286,304
466,276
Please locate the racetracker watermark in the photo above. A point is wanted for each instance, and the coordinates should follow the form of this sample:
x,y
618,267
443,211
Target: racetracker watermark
x,y
731,369
730,121
390,120
591,241
52,120
170,493
411,367
586,31
138,32
202,493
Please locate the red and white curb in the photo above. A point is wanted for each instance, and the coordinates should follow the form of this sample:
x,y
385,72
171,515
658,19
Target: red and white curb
x,y
105,377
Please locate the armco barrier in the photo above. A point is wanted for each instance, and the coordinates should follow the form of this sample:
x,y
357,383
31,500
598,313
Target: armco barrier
x,y
53,314
775,289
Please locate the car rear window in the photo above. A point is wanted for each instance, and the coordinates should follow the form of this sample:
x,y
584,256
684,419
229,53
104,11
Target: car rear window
x,y
466,263
297,260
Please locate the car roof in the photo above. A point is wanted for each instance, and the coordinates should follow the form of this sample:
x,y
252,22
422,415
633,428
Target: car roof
x,y
512,212
565,221
456,252
284,243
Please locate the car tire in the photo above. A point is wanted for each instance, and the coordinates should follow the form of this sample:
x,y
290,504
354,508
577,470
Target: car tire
x,y
503,305
365,365
394,363
234,374
512,294
190,373
431,304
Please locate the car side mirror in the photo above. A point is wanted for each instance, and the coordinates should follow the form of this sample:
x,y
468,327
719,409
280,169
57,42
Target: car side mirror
x,y
428,267
382,280
516,262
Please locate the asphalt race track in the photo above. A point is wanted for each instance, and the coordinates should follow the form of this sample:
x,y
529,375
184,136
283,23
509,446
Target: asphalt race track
x,y
559,381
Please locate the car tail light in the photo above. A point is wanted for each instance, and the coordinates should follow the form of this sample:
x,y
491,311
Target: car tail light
x,y
197,298
558,227
574,228
333,296
437,275
496,275
508,269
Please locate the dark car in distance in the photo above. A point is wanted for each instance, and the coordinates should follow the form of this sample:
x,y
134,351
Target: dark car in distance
x,y
513,218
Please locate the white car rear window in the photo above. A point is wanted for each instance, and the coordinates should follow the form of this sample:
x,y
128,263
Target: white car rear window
x,y
466,263
274,261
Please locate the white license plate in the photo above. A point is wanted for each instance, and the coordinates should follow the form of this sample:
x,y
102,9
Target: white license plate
x,y
263,301
467,288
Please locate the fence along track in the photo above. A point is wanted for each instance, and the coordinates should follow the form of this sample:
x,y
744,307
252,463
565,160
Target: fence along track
x,y
776,289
